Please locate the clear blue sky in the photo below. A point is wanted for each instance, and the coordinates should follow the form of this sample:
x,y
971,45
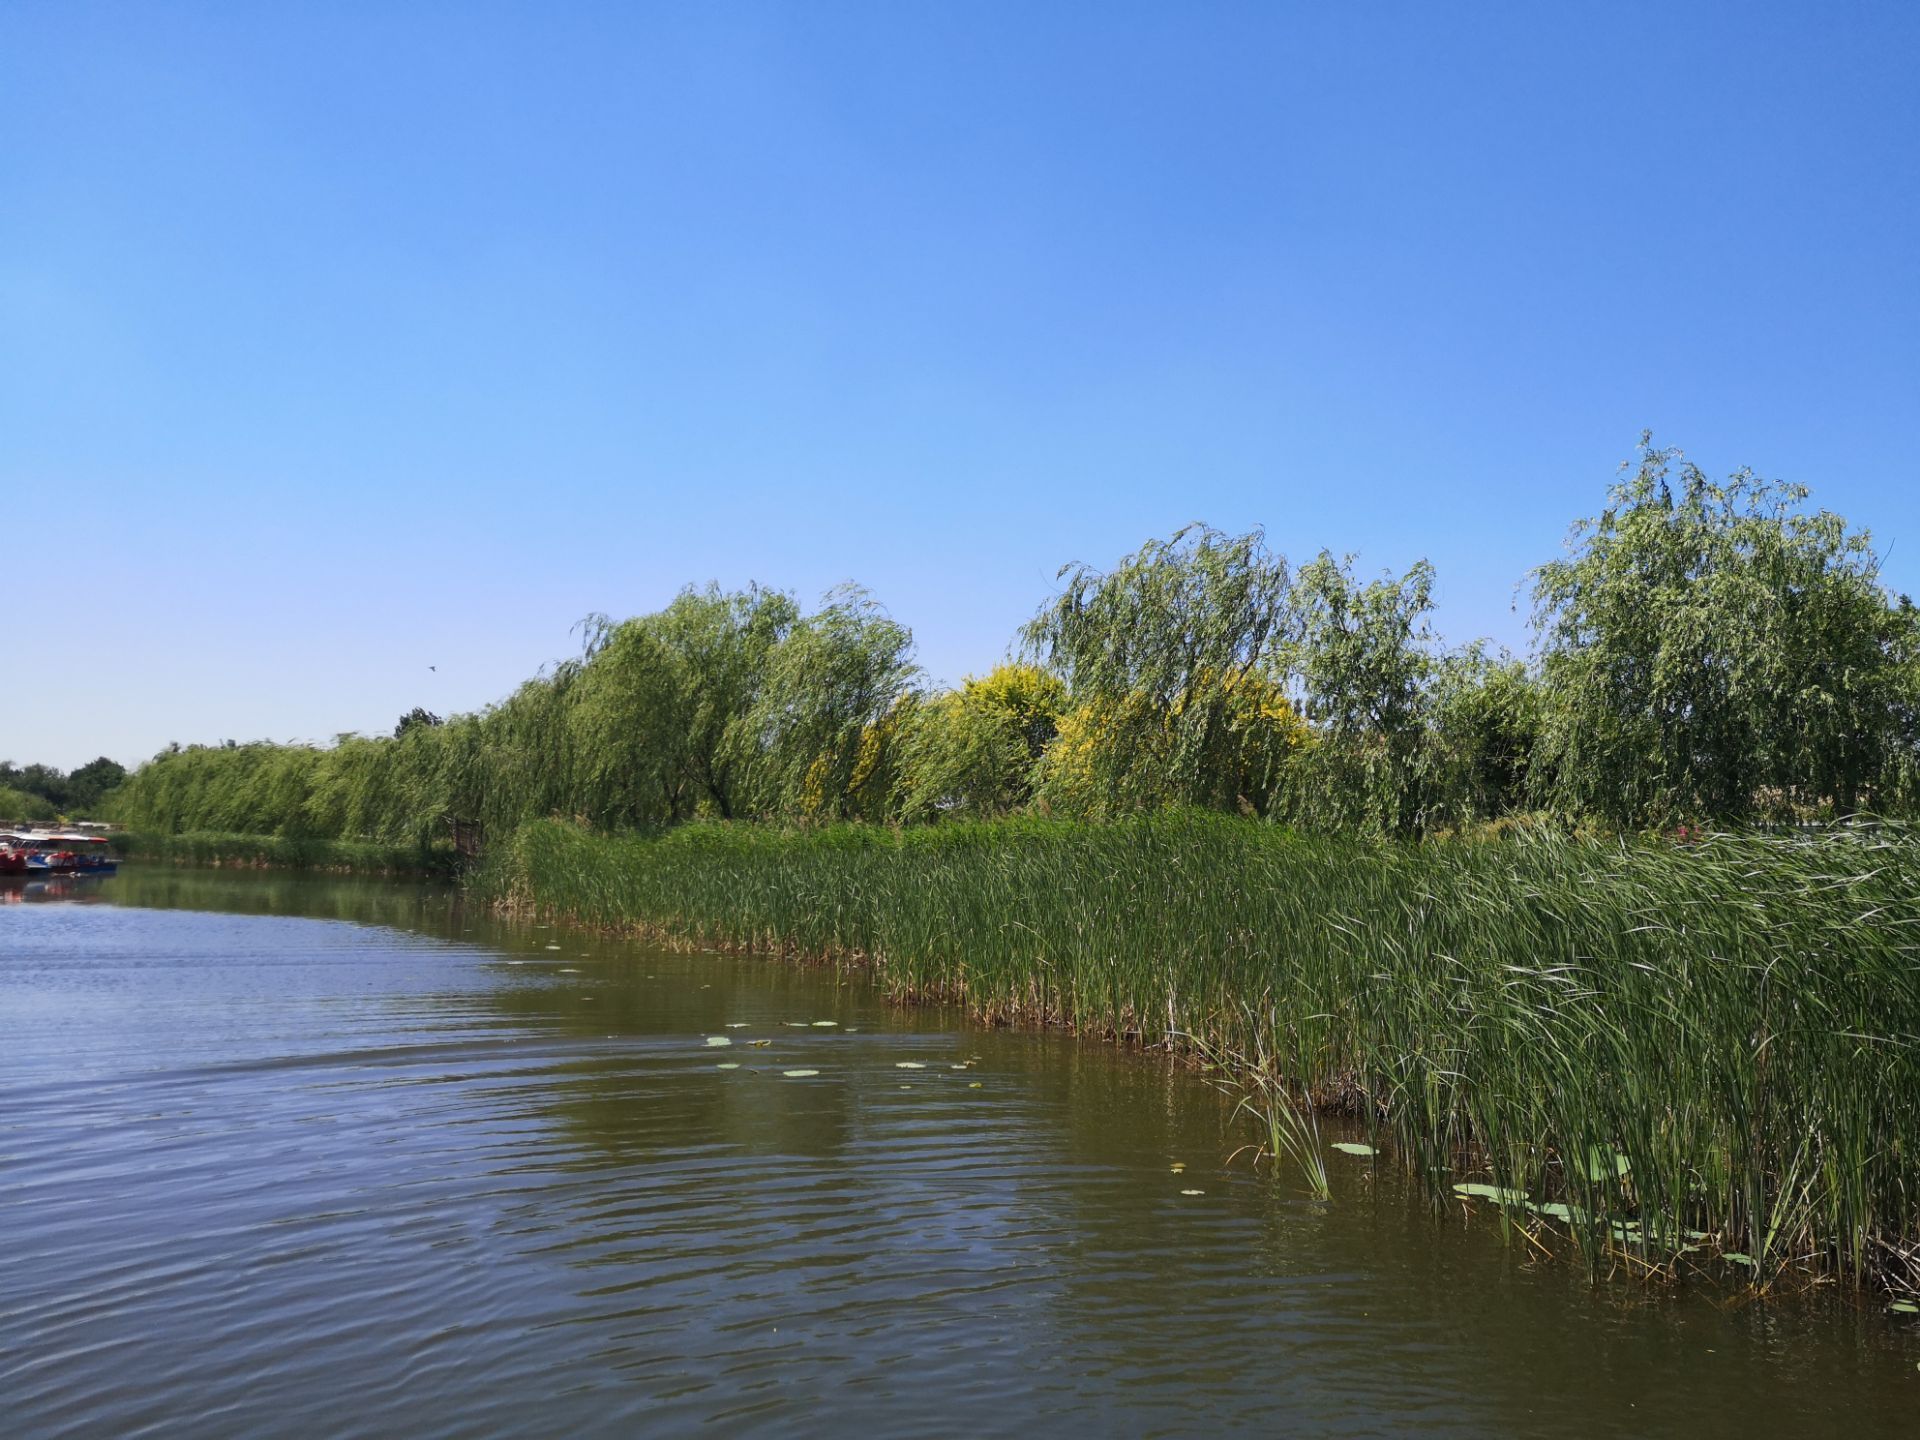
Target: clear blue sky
x,y
338,341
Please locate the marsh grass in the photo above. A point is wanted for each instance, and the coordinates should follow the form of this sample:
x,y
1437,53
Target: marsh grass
x,y
282,852
1717,1038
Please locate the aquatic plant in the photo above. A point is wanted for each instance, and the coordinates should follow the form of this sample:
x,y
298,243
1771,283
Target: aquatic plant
x,y
1721,1038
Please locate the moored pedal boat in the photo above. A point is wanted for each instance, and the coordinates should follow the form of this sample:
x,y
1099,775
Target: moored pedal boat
x,y
65,853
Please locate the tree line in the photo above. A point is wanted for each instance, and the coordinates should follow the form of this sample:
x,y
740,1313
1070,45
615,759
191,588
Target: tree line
x,y
44,792
1705,652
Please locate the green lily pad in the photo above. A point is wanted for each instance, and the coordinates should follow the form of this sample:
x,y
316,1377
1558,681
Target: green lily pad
x,y
714,1041
824,1024
908,1065
1737,1258
798,1074
1904,1307
728,1065
1605,1164
1353,1147
1497,1193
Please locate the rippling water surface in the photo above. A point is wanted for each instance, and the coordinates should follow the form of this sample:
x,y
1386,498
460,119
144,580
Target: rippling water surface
x,y
289,1156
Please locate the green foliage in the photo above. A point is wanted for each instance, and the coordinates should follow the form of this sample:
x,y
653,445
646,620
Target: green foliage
x,y
972,752
1364,657
282,853
720,704
415,718
1707,652
1722,1022
1155,652
819,720
21,805
80,794
1716,650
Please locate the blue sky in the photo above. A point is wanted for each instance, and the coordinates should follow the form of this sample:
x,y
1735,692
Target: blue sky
x,y
340,341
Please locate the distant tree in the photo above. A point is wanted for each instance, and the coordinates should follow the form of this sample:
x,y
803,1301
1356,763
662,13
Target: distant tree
x,y
1363,656
831,686
973,751
413,719
1156,650
1714,649
20,805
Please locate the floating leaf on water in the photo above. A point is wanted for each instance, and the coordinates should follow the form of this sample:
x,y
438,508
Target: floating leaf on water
x,y
956,1067
1737,1258
794,1024
1193,1192
728,1065
1556,1210
974,1086
853,1030
759,1044
908,1065
718,1040
1605,1164
1352,1147
825,1024
1497,1193
1178,1166
1904,1307
736,1024
553,947
798,1074
567,970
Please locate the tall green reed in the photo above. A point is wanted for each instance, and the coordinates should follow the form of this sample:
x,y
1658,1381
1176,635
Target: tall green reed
x,y
1718,1038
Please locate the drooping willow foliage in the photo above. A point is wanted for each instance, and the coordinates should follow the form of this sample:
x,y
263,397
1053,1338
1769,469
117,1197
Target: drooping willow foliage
x,y
1706,652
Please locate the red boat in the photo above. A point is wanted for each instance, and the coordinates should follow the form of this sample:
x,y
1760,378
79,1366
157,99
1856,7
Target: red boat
x,y
13,857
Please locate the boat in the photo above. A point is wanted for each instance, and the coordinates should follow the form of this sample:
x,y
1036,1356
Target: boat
x,y
13,856
64,852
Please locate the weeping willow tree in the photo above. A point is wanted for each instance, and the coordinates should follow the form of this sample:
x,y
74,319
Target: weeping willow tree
x,y
974,752
824,723
731,705
1160,656
1715,649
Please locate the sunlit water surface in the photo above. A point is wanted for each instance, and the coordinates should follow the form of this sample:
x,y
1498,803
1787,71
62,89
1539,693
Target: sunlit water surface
x,y
288,1156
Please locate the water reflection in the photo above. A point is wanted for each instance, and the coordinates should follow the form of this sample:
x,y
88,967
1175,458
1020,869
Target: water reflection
x,y
504,1185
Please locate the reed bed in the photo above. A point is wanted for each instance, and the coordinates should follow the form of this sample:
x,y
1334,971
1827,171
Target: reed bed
x,y
285,852
1669,1053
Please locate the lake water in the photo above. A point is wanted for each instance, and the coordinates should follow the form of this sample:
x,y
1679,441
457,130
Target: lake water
x,y
288,1156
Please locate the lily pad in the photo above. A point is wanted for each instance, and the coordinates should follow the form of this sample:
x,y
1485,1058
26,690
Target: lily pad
x,y
1904,1307
1193,1192
736,1024
908,1065
1737,1258
1497,1193
718,1040
1605,1164
825,1024
798,1074
974,1086
1352,1147
728,1065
